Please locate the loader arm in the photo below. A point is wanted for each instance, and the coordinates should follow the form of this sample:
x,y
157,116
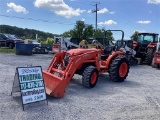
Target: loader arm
x,y
58,75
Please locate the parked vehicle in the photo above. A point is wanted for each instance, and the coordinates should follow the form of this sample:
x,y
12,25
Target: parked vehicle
x,y
156,59
145,46
8,40
86,62
127,47
34,42
38,48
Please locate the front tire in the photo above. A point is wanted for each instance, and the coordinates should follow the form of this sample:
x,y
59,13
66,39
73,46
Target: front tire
x,y
119,69
90,77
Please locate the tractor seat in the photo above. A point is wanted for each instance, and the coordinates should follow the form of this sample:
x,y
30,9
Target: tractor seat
x,y
107,51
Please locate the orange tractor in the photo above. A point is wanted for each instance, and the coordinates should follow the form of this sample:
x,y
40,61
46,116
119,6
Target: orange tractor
x,y
86,62
156,59
145,46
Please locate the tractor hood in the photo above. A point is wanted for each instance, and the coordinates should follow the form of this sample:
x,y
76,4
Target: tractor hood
x,y
79,51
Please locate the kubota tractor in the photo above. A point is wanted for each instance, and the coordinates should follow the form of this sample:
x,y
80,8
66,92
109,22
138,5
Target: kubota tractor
x,y
156,59
86,62
145,46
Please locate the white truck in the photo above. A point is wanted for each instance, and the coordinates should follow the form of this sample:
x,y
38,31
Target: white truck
x,y
62,44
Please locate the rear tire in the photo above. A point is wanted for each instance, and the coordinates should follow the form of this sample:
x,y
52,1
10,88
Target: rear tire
x,y
90,77
119,69
149,56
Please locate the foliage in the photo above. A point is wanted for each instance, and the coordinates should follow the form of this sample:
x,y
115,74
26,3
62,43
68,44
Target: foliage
x,y
25,33
66,34
80,30
109,35
134,36
99,33
49,41
84,31
88,31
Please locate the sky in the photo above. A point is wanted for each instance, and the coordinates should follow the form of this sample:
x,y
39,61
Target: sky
x,y
59,16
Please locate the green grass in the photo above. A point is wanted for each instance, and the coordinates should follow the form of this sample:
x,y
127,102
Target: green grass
x,y
6,50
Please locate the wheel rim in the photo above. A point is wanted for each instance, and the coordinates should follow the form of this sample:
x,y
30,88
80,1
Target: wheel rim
x,y
93,77
123,69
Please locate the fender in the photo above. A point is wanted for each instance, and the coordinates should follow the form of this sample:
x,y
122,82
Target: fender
x,y
157,57
110,58
152,45
135,44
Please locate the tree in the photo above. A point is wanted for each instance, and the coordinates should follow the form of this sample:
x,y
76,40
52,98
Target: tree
x,y
25,33
79,28
109,35
82,30
49,41
134,36
88,31
99,33
66,34
41,40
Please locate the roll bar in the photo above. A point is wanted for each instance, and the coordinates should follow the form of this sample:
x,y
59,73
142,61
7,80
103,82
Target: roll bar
x,y
105,36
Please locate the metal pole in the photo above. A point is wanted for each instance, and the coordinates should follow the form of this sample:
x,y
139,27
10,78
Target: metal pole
x,y
96,16
96,10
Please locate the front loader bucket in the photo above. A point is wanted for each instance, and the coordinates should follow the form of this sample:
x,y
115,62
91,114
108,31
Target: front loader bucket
x,y
54,85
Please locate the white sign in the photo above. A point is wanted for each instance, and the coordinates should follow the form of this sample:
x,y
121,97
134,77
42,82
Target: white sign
x,y
31,84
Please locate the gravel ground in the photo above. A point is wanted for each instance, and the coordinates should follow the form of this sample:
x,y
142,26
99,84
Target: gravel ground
x,y
138,98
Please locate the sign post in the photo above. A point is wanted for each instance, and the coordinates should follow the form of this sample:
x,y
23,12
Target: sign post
x,y
31,84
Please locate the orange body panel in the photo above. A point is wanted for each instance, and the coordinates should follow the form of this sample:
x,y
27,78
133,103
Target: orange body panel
x,y
157,57
109,59
135,44
56,48
152,45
